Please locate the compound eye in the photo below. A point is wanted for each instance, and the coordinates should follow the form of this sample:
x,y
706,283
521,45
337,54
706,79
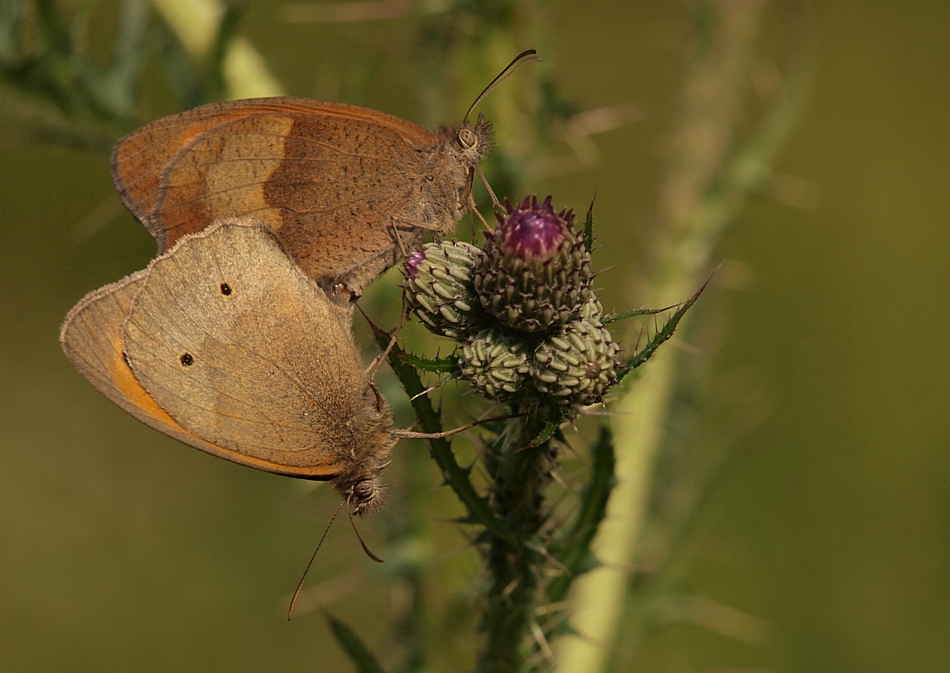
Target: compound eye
x,y
467,138
364,490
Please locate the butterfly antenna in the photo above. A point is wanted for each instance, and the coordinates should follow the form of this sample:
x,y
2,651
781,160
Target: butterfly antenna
x,y
508,71
293,601
360,538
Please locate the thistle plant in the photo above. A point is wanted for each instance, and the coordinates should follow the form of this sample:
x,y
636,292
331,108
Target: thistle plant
x,y
523,308
532,337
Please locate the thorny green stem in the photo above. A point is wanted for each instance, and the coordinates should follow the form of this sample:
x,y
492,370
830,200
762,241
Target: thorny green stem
x,y
519,474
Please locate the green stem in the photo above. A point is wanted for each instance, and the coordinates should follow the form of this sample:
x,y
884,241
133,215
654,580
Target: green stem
x,y
519,474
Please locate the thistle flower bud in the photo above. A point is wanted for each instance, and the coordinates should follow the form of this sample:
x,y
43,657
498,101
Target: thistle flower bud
x,y
592,311
577,364
535,273
439,287
494,363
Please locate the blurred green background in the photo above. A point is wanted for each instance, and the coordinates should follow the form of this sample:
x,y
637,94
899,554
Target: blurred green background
x,y
824,547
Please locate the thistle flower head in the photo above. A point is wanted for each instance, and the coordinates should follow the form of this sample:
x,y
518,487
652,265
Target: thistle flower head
x,y
534,230
535,273
494,363
439,287
578,364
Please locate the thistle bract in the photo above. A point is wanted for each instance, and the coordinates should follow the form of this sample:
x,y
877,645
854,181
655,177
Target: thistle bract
x,y
440,289
577,364
592,311
494,363
535,273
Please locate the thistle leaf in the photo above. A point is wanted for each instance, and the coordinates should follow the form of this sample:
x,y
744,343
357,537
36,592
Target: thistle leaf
x,y
441,365
361,656
662,334
441,449
572,550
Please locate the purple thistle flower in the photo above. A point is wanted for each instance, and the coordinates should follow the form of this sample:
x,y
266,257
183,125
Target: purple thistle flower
x,y
535,273
411,266
533,231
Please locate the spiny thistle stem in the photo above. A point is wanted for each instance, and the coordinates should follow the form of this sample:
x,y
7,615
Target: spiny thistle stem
x,y
519,472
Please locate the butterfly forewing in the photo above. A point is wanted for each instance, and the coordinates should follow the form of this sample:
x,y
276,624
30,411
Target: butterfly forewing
x,y
334,180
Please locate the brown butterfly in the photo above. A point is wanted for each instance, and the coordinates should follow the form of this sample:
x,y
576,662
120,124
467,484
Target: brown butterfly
x,y
224,344
346,189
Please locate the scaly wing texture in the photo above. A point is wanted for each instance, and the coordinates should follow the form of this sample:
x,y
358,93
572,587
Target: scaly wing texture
x,y
91,338
329,178
244,351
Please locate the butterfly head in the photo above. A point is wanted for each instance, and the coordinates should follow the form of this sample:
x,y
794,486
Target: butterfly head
x,y
365,495
473,142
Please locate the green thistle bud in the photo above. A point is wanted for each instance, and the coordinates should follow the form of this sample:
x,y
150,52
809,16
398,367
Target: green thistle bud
x,y
439,287
577,364
494,363
535,273
592,311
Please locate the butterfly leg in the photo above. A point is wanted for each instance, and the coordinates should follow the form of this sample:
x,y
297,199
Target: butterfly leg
x,y
471,203
491,192
378,361
402,248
